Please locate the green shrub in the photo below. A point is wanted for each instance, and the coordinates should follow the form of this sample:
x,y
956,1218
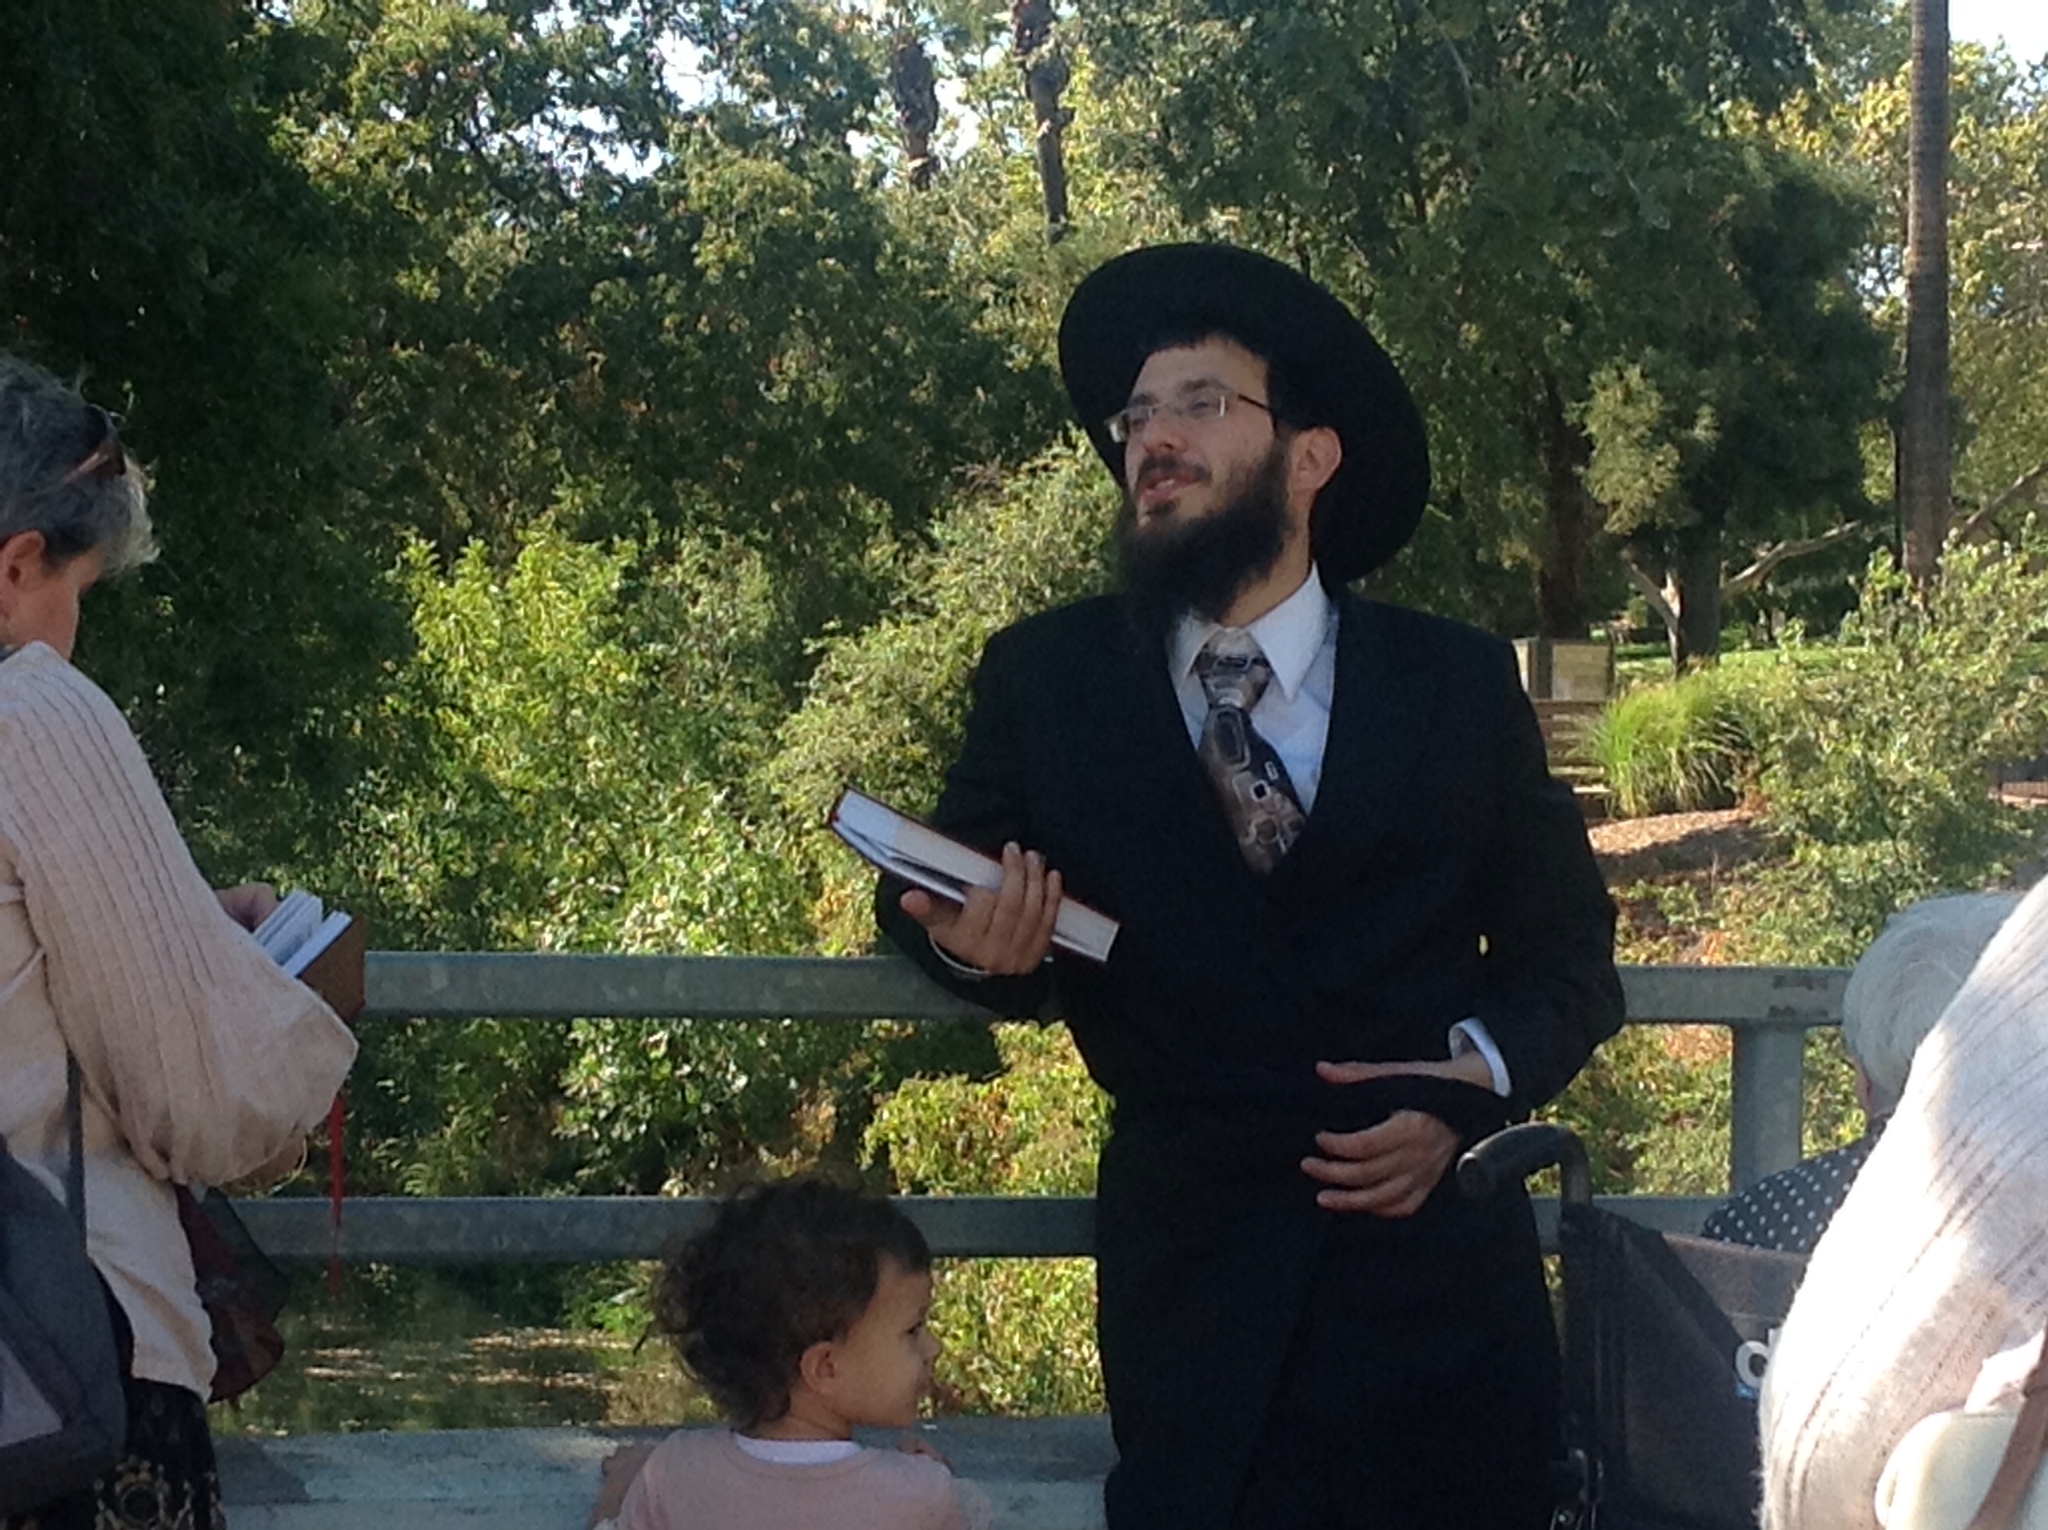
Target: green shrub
x,y
1876,767
1019,1333
1677,746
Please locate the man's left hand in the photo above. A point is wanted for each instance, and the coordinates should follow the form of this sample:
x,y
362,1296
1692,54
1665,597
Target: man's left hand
x,y
1388,1170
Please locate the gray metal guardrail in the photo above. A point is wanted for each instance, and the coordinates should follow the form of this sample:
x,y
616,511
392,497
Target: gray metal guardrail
x,y
1767,1010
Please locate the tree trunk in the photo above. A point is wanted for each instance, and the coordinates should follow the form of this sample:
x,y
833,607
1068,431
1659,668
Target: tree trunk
x,y
1045,77
1696,574
915,91
1923,470
1570,519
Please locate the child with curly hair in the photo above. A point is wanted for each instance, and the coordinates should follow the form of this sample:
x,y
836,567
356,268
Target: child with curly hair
x,y
801,1311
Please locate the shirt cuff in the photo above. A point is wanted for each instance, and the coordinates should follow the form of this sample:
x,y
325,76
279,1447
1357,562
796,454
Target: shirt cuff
x,y
967,970
1472,1036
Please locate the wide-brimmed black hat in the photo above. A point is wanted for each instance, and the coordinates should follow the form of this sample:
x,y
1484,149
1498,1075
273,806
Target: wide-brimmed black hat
x,y
1367,512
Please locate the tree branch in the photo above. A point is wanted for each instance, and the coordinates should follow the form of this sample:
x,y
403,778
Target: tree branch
x,y
2002,498
1773,558
1653,592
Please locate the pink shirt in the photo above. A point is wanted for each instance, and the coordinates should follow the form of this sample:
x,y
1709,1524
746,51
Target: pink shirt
x,y
702,1480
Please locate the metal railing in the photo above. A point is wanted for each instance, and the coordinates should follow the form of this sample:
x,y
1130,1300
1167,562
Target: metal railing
x,y
1768,1011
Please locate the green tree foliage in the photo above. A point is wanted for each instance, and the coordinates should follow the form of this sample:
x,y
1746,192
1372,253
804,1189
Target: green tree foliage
x,y
886,704
1877,764
154,239
599,297
1019,1334
1856,116
1526,200
1745,431
561,748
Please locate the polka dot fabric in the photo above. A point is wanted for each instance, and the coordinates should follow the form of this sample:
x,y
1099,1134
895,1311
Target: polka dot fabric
x,y
1791,1209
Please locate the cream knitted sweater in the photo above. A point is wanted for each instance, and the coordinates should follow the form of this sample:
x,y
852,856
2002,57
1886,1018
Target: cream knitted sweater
x,y
1938,1258
201,1061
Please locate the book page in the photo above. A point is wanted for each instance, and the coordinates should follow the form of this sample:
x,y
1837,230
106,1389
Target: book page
x,y
296,916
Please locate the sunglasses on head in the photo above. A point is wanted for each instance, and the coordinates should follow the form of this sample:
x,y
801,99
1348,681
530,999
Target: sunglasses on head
x,y
105,459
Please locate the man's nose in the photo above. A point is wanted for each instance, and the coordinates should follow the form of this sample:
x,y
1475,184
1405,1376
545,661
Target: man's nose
x,y
1164,427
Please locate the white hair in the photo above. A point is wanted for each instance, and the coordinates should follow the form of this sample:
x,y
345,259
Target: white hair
x,y
47,435
1901,984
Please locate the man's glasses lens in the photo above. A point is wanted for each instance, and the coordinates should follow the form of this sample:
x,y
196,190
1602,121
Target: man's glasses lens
x,y
1196,408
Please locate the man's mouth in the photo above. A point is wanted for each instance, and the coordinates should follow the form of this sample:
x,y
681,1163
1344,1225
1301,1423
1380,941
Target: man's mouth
x,y
1161,481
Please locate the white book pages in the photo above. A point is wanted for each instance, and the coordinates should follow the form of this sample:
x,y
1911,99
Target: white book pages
x,y
925,858
296,916
298,930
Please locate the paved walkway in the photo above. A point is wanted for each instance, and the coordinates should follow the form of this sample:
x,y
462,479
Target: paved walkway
x,y
1042,1474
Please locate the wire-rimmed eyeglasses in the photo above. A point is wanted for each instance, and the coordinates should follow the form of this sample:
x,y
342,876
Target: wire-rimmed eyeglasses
x,y
1198,406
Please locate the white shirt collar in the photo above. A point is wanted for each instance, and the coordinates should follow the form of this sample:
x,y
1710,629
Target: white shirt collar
x,y
1290,635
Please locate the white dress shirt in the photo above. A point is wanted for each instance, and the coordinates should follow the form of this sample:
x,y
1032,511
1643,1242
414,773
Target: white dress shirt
x,y
1299,640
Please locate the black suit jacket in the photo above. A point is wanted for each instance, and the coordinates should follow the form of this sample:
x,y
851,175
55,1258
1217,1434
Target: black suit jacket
x,y
1441,874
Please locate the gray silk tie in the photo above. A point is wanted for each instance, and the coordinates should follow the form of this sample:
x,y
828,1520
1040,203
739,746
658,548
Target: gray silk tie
x,y
1257,797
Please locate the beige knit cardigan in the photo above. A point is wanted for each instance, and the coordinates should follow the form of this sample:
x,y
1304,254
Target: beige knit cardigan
x,y
1938,1258
201,1061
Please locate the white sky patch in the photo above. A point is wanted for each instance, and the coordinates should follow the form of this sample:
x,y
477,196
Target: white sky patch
x,y
2022,25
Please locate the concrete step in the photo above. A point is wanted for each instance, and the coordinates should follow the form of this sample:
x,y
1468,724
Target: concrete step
x,y
1041,1474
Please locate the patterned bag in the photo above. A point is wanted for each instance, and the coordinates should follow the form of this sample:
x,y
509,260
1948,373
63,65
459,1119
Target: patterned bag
x,y
240,1288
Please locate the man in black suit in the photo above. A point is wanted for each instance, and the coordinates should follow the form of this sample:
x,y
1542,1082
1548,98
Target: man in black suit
x,y
1360,926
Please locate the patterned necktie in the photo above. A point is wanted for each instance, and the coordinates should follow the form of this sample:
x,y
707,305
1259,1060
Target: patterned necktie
x,y
1264,813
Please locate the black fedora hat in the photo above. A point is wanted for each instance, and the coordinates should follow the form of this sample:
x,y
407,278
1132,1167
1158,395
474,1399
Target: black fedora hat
x,y
1367,512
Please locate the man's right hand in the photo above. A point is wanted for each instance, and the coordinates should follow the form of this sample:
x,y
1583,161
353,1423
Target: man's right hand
x,y
1004,933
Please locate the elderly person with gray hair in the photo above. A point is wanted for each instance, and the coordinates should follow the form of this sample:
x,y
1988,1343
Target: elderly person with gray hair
x,y
1896,992
1937,1262
196,1059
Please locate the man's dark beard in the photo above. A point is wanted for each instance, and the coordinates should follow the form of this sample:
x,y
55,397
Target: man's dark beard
x,y
1203,565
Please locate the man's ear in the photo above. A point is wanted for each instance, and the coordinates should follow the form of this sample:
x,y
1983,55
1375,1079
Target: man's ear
x,y
1317,454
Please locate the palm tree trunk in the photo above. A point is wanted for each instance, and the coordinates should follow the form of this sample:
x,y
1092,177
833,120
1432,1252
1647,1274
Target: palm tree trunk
x,y
1923,462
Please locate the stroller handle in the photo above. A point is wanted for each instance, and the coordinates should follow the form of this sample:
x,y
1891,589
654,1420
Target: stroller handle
x,y
1514,1153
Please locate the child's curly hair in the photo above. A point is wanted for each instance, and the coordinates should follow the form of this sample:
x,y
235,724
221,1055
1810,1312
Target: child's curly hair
x,y
781,1267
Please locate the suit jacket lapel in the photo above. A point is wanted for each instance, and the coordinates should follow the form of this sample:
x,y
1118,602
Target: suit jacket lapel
x,y
1161,778
1379,722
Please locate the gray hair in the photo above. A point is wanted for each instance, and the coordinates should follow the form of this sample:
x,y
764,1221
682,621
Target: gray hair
x,y
1903,982
48,433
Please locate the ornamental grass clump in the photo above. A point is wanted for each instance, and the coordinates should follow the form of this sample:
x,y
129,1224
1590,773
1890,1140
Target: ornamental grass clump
x,y
1678,746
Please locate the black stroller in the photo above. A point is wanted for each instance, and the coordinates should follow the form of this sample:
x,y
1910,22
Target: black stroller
x,y
1665,1339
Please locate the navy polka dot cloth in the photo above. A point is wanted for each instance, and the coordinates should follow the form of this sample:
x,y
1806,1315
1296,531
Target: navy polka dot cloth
x,y
1792,1208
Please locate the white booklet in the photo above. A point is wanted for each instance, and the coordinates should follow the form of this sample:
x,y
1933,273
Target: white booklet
x,y
923,857
298,930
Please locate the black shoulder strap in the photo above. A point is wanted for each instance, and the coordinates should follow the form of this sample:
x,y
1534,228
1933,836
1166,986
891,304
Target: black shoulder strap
x,y
74,1173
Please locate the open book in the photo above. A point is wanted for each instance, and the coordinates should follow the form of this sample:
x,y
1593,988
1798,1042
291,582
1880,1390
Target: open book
x,y
323,950
924,857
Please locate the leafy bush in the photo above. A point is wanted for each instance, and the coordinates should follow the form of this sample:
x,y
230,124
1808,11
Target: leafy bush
x,y
1019,1333
1678,746
886,704
1876,768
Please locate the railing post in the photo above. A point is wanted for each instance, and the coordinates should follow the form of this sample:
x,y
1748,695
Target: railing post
x,y
1766,1085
